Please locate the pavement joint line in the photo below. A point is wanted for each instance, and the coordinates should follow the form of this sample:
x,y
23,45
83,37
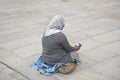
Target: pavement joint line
x,y
25,46
99,73
21,8
91,27
94,47
91,37
98,62
10,28
20,38
2,48
105,43
13,21
15,70
101,45
99,35
108,76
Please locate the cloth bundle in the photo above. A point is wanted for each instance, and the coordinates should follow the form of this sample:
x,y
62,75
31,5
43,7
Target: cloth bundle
x,y
47,70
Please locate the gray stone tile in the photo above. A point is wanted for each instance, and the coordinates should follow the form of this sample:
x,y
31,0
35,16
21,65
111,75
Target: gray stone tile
x,y
37,21
99,54
12,60
113,47
20,34
9,74
33,74
15,76
107,38
93,23
10,26
85,62
85,74
89,44
2,68
4,76
30,59
105,20
29,50
4,53
9,31
76,37
8,71
109,68
78,26
22,42
116,32
97,30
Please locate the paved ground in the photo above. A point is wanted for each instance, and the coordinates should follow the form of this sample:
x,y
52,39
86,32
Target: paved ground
x,y
95,23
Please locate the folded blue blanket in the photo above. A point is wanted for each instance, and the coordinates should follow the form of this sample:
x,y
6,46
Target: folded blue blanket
x,y
43,68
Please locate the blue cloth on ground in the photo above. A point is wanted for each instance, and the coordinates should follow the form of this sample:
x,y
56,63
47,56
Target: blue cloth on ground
x,y
43,68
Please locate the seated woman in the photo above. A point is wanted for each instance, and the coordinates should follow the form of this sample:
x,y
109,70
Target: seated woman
x,y
56,51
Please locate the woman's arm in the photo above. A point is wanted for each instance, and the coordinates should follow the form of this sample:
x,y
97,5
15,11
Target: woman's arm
x,y
65,44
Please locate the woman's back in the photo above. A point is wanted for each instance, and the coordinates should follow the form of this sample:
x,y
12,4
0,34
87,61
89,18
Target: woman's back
x,y
54,50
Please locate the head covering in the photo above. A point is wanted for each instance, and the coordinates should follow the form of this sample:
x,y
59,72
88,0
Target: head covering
x,y
55,25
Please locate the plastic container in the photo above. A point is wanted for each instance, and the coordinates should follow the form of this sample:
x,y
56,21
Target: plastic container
x,y
78,44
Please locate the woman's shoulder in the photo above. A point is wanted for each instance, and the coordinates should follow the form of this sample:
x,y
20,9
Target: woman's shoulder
x,y
57,35
60,34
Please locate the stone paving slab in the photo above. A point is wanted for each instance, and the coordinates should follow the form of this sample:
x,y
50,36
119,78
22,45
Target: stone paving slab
x,y
10,31
90,44
33,74
4,53
110,68
99,54
107,38
97,30
94,23
83,75
22,42
29,50
113,47
20,34
8,74
12,60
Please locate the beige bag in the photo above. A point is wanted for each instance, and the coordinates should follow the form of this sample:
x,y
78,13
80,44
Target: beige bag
x,y
65,69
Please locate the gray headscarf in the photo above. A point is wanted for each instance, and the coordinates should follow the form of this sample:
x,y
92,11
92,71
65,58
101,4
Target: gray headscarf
x,y
55,25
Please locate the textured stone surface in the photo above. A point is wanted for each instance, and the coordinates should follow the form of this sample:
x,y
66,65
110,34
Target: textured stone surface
x,y
89,44
98,54
107,38
4,53
9,74
110,68
12,60
22,42
85,62
28,50
83,75
76,37
93,23
33,74
113,47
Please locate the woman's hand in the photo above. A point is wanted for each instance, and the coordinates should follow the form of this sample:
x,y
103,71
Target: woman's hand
x,y
76,48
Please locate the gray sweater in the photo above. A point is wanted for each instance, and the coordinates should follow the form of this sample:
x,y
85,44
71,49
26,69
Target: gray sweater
x,y
56,49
